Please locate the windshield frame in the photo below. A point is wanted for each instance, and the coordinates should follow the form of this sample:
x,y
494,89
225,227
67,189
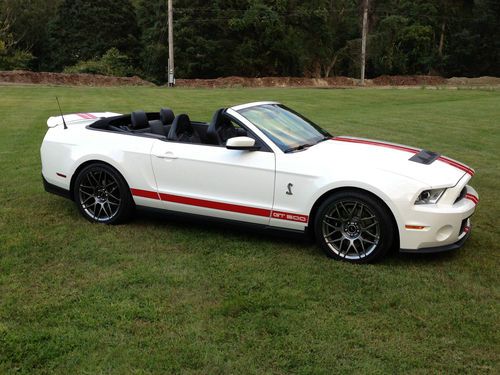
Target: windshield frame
x,y
280,142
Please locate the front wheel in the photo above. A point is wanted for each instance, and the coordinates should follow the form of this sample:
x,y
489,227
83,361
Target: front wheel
x,y
102,194
354,227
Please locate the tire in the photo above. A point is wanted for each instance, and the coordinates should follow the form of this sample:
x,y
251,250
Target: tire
x,y
102,195
354,226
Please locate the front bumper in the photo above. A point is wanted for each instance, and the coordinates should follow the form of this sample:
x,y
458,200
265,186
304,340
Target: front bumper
x,y
438,228
441,249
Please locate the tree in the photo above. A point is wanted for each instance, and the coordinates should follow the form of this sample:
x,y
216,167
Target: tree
x,y
11,57
28,24
152,20
87,29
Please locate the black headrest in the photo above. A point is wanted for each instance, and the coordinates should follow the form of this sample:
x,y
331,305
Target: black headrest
x,y
181,125
215,123
139,120
217,116
167,116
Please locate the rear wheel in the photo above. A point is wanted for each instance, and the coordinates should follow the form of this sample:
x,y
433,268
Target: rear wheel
x,y
102,194
354,227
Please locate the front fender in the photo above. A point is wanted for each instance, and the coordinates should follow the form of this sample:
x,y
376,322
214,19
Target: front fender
x,y
396,191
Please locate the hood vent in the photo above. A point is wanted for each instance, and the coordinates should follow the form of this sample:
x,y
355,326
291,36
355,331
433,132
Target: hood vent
x,y
425,157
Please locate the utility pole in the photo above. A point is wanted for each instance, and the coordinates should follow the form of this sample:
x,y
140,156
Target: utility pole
x,y
171,66
363,41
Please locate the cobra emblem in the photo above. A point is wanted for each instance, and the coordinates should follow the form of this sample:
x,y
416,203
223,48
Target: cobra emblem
x,y
289,187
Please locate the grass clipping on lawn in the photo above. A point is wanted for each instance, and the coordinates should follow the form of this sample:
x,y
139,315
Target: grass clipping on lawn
x,y
165,296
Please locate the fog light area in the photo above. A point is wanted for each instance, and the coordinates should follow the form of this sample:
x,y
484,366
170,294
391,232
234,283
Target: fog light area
x,y
444,233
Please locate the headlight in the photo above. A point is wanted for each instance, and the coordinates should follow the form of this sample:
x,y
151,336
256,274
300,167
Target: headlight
x,y
430,196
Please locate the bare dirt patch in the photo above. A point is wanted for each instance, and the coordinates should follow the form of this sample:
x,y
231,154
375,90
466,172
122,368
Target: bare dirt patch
x,y
268,82
27,77
415,80
479,81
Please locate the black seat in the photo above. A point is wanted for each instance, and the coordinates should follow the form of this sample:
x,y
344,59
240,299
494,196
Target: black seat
x,y
167,116
163,125
220,129
139,120
182,130
157,127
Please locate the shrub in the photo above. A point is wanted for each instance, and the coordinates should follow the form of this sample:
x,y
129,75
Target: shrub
x,y
12,59
112,63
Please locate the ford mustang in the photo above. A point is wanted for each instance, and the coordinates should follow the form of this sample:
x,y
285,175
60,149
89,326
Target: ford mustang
x,y
262,164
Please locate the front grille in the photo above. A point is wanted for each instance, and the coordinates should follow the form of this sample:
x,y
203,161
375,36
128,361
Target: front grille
x,y
461,195
464,225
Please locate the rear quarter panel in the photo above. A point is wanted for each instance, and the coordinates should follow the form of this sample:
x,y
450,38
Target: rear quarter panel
x,y
63,151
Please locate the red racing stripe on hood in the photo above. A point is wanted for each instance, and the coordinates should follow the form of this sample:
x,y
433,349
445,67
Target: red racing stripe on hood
x,y
414,151
456,165
473,198
377,143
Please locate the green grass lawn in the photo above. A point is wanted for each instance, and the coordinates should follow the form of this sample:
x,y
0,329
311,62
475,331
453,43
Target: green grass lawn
x,y
161,295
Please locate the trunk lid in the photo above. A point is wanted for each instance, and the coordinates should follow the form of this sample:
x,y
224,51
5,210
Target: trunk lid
x,y
78,118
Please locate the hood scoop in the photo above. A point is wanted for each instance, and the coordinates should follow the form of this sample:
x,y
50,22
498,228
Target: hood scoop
x,y
425,157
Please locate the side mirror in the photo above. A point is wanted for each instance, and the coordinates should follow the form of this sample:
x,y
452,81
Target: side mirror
x,y
241,143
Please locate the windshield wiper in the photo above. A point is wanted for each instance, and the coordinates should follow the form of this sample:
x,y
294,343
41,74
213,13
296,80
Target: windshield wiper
x,y
323,139
299,147
305,145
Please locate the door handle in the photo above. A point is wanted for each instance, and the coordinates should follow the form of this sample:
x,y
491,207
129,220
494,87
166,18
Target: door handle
x,y
166,155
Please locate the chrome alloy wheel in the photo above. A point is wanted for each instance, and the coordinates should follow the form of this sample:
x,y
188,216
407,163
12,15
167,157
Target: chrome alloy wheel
x,y
351,229
99,195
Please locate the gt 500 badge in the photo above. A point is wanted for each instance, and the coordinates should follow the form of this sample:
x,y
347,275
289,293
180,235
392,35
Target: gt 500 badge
x,y
290,217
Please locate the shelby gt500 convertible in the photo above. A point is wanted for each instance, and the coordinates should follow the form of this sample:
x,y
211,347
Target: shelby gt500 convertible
x,y
263,164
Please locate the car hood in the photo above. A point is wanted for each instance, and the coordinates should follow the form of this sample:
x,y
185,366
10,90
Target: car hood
x,y
366,154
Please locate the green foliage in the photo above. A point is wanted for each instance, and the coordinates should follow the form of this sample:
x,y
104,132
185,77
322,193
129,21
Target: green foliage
x,y
28,22
473,46
15,60
11,58
152,20
112,63
317,38
402,47
85,29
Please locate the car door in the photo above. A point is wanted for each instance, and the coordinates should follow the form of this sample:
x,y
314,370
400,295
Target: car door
x,y
215,181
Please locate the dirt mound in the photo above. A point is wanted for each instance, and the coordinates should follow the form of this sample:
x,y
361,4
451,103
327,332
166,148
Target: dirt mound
x,y
27,77
408,80
267,82
479,81
339,81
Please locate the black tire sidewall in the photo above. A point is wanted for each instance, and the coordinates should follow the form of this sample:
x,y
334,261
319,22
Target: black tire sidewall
x,y
387,229
127,204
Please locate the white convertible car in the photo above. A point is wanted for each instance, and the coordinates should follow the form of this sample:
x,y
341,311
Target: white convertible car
x,y
262,164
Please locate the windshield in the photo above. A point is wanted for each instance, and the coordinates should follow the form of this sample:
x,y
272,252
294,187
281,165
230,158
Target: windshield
x,y
286,128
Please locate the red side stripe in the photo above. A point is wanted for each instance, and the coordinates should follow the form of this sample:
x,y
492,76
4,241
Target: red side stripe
x,y
215,205
473,198
145,194
220,206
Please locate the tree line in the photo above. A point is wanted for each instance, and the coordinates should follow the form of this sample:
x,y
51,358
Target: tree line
x,y
312,38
